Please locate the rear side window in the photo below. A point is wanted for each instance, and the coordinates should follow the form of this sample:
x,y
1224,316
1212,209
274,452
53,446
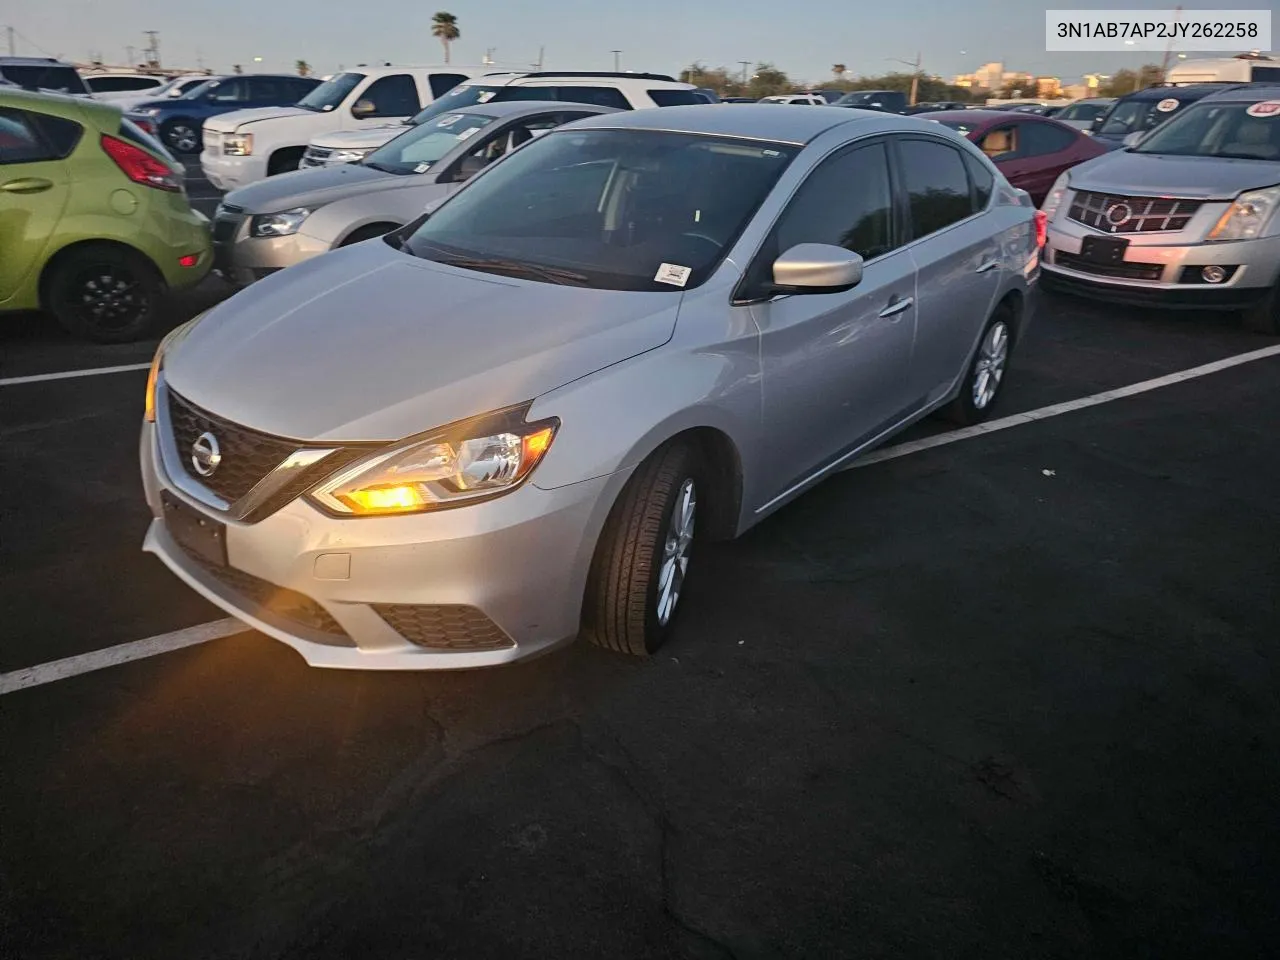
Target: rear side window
x,y
39,77
442,83
1037,139
936,182
59,135
675,98
110,84
393,96
229,91
19,140
982,179
301,87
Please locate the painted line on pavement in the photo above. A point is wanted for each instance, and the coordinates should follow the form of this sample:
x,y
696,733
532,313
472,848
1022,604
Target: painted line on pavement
x,y
71,374
123,653
165,642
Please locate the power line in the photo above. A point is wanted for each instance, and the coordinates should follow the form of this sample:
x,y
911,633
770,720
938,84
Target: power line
x,y
14,31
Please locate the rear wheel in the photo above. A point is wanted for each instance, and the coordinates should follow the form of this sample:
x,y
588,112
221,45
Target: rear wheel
x,y
641,567
181,136
1264,316
104,293
985,375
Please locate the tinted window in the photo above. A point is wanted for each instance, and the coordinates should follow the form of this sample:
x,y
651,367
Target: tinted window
x,y
268,89
600,96
611,209
1037,139
937,186
51,77
19,141
229,91
1216,130
300,88
982,179
393,96
1000,142
110,84
442,83
1268,74
59,135
186,86
846,201
330,94
677,98
1083,111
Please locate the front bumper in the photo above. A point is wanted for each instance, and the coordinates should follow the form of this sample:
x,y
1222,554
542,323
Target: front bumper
x,y
242,259
229,173
1163,269
477,586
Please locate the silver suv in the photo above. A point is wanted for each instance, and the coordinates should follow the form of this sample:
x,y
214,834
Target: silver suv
x,y
1184,218
512,421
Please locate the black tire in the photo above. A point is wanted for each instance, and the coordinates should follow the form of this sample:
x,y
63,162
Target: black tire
x,y
369,232
973,405
621,606
181,135
103,293
283,161
1264,316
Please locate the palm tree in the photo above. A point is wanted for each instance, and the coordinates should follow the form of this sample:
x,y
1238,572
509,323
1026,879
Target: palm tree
x,y
303,68
444,27
838,69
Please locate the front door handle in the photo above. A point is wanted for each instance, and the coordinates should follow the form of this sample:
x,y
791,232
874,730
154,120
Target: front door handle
x,y
989,265
26,185
897,306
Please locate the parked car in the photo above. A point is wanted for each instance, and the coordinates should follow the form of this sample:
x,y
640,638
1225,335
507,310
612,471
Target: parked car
x,y
622,91
108,86
94,221
1083,113
517,418
178,121
934,107
1145,109
737,99
43,74
173,89
284,220
1225,70
801,99
1186,218
888,101
1030,150
249,145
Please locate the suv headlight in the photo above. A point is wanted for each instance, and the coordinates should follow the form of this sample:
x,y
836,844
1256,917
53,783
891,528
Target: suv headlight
x,y
474,460
283,224
1053,199
238,145
349,155
1248,215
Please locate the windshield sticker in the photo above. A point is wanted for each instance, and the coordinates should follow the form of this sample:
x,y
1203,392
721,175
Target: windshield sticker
x,y
1168,105
486,96
449,121
422,168
1267,108
673,274
470,131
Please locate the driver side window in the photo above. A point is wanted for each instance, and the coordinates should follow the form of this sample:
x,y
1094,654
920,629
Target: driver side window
x,y
392,96
229,91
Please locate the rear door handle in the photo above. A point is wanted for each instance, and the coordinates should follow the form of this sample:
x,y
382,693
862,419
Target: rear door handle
x,y
897,306
989,265
26,185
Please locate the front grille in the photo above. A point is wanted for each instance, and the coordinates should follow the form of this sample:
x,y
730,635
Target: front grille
x,y
1136,214
451,627
317,154
285,604
1126,271
247,455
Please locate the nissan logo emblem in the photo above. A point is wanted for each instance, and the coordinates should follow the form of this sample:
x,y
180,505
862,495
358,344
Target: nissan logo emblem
x,y
1118,214
205,455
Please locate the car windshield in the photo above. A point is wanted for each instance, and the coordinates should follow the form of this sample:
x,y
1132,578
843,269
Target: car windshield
x,y
1083,111
610,209
330,94
1225,130
39,77
849,98
1128,117
415,150
199,90
463,95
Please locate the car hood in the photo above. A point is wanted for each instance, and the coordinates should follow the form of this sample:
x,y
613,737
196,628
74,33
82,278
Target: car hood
x,y
230,122
1153,174
368,343
360,139
311,188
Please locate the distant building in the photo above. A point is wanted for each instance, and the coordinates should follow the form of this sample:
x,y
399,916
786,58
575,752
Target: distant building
x,y
1048,88
993,76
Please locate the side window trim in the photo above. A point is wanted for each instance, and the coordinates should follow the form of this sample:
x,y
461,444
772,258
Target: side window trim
x,y
897,162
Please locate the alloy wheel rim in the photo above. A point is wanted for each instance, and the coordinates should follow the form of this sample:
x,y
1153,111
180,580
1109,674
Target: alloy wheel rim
x,y
183,138
109,297
988,370
675,551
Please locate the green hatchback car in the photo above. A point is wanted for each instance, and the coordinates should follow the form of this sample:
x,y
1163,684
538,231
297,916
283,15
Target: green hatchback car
x,y
95,225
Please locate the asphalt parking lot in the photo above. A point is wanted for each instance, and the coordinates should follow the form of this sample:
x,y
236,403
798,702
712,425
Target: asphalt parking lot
x,y
1011,696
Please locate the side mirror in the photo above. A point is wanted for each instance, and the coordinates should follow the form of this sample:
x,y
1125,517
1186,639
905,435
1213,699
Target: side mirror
x,y
363,108
1133,139
817,268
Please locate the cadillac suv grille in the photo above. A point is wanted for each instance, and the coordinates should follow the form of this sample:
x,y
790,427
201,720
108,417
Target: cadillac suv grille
x,y
1118,214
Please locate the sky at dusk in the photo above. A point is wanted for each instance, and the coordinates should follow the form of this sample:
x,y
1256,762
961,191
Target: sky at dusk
x,y
661,35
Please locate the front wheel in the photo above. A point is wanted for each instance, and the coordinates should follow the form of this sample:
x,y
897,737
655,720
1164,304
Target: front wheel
x,y
181,136
985,375
104,294
641,567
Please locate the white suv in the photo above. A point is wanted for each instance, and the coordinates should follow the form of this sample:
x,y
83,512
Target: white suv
x,y
623,91
245,146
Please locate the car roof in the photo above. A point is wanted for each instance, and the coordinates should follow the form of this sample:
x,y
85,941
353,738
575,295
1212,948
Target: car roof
x,y
59,104
502,109
1192,91
1247,93
988,116
33,61
750,122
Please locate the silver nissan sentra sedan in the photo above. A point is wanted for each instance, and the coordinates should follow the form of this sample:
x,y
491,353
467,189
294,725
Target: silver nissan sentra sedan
x,y
512,421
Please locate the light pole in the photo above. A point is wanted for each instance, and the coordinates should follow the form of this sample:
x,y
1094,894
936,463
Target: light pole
x,y
745,64
615,53
915,75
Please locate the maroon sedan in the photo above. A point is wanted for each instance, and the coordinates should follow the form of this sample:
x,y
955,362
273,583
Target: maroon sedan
x,y
1031,151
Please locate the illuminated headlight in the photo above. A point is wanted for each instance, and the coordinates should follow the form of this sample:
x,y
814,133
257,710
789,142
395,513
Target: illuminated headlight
x,y
1248,216
479,459
351,155
238,145
157,363
283,224
1053,199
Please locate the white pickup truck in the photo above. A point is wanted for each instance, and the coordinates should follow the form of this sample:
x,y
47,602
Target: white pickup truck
x,y
246,146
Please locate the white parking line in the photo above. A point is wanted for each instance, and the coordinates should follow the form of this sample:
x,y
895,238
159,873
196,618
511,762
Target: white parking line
x,y
124,653
163,643
71,374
